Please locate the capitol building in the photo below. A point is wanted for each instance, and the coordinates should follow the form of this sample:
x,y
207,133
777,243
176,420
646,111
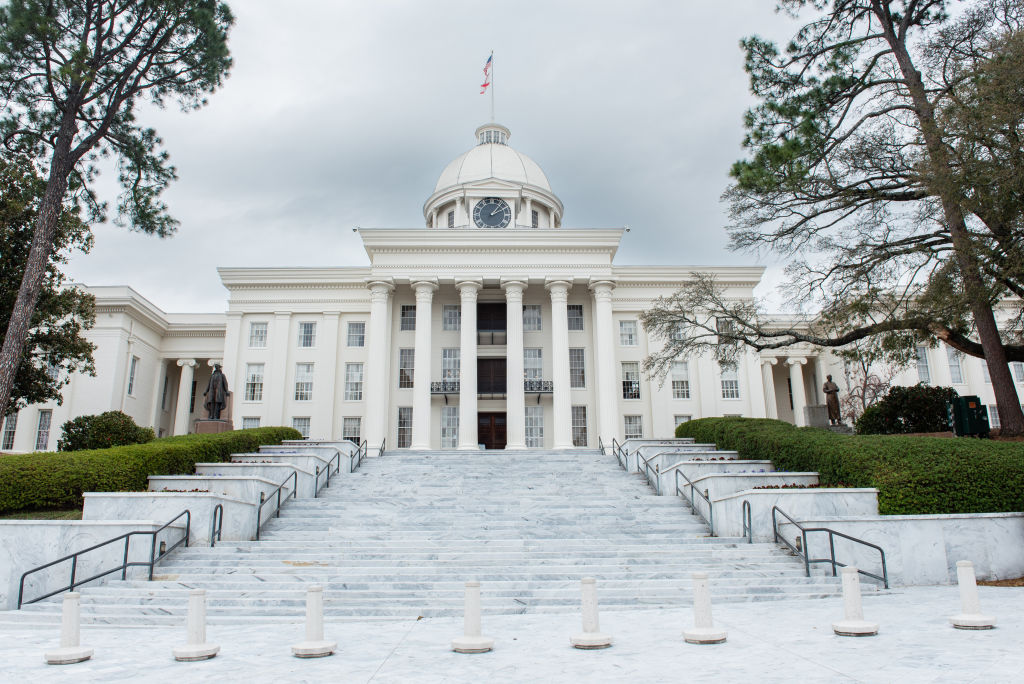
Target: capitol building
x,y
493,324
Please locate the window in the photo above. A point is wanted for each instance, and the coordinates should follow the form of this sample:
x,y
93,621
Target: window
x,y
956,371
1018,370
302,425
303,382
250,422
307,334
353,382
984,372
451,317
52,371
357,333
634,427
192,397
351,429
531,318
43,429
450,370
627,333
993,416
681,419
680,380
163,395
257,335
577,368
10,425
730,381
449,427
131,375
533,364
254,382
534,219
404,427
924,374
535,427
575,313
408,320
630,380
579,426
677,333
451,219
406,367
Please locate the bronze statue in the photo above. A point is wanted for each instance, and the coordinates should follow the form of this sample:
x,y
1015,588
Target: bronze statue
x,y
216,393
831,391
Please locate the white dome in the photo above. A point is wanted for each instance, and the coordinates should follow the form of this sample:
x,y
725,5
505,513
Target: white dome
x,y
492,160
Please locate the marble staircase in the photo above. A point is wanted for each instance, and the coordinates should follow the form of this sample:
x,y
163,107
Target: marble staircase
x,y
400,536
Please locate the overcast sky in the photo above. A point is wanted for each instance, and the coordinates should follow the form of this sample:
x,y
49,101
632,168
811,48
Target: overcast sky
x,y
340,114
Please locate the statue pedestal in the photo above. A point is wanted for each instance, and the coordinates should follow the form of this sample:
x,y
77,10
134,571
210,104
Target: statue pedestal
x,y
207,426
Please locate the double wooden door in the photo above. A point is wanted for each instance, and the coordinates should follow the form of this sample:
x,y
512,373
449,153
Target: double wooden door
x,y
491,430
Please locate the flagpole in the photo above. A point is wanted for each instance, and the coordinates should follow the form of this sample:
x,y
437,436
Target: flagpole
x,y
492,86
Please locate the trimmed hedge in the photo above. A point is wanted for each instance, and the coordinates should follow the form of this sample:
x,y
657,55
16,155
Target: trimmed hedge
x,y
113,428
49,480
914,475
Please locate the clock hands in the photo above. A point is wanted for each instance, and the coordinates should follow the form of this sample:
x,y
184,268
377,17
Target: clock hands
x,y
496,210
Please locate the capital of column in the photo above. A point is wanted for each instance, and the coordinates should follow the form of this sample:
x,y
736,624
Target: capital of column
x,y
559,289
796,361
513,288
215,362
379,290
468,287
602,289
191,363
424,288
769,361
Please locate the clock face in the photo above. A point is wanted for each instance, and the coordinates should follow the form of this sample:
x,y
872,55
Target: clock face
x,y
492,212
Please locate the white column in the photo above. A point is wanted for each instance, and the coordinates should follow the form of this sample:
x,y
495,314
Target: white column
x,y
796,379
375,382
604,356
158,388
181,414
422,364
771,406
233,369
467,363
562,431
515,404
326,371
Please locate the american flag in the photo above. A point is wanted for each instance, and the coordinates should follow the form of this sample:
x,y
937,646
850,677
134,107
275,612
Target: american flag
x,y
487,75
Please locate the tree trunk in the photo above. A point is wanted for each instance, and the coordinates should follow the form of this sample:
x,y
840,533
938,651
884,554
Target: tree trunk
x,y
38,258
1011,416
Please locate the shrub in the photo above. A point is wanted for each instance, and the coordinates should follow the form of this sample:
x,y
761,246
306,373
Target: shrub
x,y
112,428
919,408
914,475
52,480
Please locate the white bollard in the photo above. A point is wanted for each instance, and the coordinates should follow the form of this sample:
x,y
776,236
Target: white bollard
x,y
854,623
703,630
70,651
196,648
970,616
314,646
472,642
591,638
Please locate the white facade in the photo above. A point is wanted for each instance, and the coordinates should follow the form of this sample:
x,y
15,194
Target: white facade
x,y
425,347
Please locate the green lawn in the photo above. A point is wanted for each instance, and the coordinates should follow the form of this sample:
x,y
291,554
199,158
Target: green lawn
x,y
70,514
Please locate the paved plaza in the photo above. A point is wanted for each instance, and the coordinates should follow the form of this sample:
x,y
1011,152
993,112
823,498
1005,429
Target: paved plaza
x,y
774,641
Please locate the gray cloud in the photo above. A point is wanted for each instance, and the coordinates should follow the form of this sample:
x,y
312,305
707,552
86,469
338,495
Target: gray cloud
x,y
340,114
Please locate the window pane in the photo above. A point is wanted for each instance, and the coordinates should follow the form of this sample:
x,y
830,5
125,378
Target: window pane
x,y
408,320
357,333
630,380
1018,370
680,380
633,427
43,429
579,426
303,382
681,419
250,422
450,370
353,382
956,372
257,335
302,425
254,382
449,427
575,313
531,318
452,317
923,372
577,368
993,416
535,427
131,375
406,367
730,381
351,429
307,334
10,426
627,333
533,364
404,427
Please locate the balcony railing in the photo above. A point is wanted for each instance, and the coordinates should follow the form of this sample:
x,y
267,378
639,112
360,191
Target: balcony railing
x,y
538,386
445,387
491,337
630,389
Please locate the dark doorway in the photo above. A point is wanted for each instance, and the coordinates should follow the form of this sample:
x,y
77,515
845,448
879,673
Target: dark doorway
x,y
491,377
491,323
491,430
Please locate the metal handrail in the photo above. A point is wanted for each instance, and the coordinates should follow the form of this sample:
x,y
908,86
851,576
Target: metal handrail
x,y
600,445
327,482
657,469
804,552
154,558
748,522
383,443
355,459
620,454
264,500
216,524
710,519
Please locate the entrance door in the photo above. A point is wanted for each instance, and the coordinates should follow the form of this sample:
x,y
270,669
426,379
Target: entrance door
x,y
491,430
491,377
